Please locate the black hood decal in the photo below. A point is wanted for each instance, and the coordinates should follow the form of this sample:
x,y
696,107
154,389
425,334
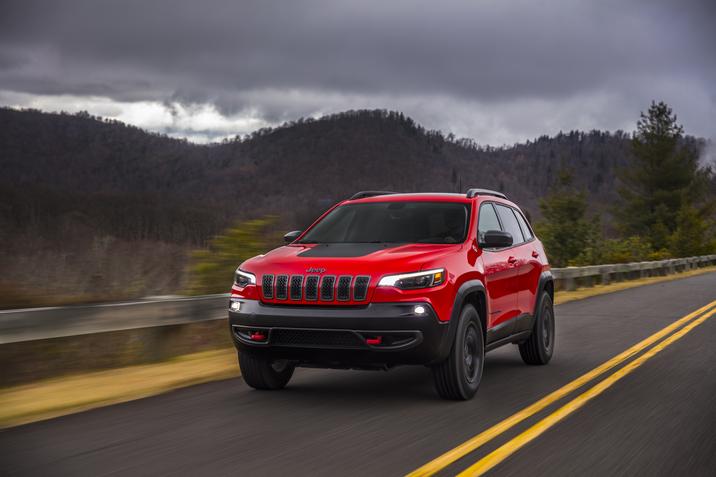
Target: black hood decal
x,y
346,249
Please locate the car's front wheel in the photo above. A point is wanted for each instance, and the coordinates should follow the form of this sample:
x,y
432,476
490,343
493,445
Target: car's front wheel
x,y
261,372
458,377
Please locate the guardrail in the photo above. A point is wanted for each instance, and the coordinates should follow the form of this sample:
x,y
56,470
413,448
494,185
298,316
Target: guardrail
x,y
39,343
60,321
571,278
49,342
56,322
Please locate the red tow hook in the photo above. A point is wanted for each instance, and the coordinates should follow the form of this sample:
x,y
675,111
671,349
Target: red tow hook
x,y
257,336
374,341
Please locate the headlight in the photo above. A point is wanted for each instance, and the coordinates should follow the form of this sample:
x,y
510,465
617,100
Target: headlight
x,y
410,281
244,278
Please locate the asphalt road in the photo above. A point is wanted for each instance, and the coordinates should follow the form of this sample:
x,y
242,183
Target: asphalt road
x,y
658,420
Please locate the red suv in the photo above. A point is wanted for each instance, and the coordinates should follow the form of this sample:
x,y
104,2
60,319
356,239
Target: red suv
x,y
384,279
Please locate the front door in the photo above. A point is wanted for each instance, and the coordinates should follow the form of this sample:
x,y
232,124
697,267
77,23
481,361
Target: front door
x,y
500,274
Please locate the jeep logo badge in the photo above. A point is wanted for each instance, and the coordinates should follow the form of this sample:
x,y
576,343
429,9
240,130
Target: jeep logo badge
x,y
315,270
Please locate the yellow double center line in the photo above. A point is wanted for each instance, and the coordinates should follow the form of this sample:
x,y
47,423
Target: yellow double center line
x,y
513,445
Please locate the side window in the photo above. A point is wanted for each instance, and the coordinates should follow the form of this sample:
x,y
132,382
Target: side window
x,y
509,221
523,225
487,221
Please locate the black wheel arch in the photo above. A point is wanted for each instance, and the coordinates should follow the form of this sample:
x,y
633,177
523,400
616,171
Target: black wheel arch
x,y
471,292
546,283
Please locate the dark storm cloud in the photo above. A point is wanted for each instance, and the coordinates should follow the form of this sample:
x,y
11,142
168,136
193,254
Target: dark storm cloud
x,y
280,59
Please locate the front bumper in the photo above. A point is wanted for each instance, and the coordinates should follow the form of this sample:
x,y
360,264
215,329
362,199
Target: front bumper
x,y
375,335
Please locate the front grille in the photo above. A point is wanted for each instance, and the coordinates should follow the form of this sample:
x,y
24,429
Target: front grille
x,y
327,288
314,287
281,287
360,289
344,288
319,338
296,283
267,286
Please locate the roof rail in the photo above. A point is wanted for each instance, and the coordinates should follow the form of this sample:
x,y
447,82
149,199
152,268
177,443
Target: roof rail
x,y
370,193
475,192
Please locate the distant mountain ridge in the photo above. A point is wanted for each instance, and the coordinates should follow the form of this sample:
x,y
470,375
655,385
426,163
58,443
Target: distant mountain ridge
x,y
94,209
296,168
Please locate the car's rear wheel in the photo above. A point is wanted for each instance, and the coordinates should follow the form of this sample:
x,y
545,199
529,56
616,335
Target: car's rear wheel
x,y
458,377
261,372
539,347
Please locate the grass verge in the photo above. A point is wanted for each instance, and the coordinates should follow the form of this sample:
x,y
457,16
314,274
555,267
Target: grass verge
x,y
69,394
66,395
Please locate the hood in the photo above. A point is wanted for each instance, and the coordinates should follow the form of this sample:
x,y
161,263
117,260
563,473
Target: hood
x,y
350,259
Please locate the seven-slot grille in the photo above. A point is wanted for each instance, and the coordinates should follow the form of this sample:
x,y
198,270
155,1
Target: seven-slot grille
x,y
327,285
343,292
312,287
267,286
296,283
360,289
315,288
281,287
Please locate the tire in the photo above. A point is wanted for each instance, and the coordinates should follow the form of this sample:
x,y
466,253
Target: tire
x,y
458,377
539,347
261,372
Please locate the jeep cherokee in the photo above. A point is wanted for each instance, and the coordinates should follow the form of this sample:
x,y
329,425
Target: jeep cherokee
x,y
385,279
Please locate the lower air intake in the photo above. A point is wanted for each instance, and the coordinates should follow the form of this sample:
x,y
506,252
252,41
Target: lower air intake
x,y
317,338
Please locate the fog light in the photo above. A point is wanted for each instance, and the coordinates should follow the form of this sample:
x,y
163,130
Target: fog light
x,y
235,306
419,310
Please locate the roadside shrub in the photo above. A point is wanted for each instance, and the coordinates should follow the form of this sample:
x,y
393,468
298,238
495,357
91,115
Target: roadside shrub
x,y
211,269
630,249
691,237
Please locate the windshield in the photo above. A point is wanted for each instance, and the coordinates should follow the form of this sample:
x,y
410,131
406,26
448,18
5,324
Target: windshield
x,y
393,222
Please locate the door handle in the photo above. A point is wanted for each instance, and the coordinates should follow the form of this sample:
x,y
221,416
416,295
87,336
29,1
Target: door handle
x,y
512,260
535,254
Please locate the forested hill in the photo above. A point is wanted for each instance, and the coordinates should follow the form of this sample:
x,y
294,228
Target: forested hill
x,y
96,210
133,184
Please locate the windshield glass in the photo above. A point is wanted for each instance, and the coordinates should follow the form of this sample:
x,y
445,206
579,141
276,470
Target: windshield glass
x,y
393,222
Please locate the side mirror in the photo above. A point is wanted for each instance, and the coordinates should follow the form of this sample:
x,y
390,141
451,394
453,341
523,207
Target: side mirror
x,y
496,239
291,236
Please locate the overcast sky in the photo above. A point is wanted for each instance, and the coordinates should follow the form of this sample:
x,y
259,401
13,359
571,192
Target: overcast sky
x,y
496,71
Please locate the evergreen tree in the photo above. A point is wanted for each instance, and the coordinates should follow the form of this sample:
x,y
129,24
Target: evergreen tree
x,y
565,230
212,268
663,176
